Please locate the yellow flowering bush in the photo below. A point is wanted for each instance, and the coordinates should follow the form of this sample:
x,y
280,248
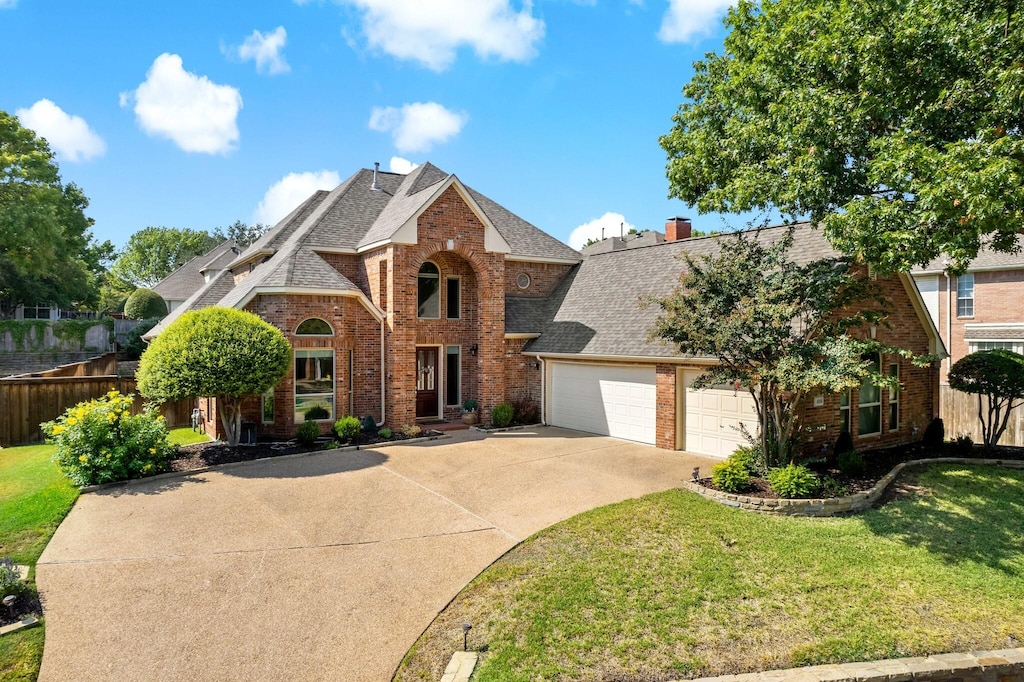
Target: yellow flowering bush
x,y
102,441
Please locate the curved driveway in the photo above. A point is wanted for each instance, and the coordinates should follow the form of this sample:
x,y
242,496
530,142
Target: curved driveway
x,y
320,567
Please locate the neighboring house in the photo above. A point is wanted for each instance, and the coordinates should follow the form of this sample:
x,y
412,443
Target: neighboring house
x,y
177,287
981,309
403,295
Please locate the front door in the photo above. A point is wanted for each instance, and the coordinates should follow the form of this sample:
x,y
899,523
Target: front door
x,y
426,382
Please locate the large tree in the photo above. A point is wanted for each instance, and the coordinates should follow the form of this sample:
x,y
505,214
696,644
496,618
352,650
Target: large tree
x,y
221,352
47,252
780,330
242,234
898,124
153,253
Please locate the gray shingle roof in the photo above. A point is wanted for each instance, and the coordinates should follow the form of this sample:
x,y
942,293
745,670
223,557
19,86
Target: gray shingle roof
x,y
987,258
209,294
993,333
524,239
188,279
596,309
525,314
407,198
285,227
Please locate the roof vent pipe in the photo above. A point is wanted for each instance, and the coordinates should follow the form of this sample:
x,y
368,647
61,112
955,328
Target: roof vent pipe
x,y
375,187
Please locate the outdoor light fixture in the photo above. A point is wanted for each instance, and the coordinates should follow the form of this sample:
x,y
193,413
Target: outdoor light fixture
x,y
9,603
466,627
696,474
873,329
472,349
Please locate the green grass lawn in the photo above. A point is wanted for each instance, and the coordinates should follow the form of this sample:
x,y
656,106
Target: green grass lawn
x,y
186,436
674,585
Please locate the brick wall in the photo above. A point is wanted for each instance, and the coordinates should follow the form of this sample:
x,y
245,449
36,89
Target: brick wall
x,y
522,373
544,277
997,298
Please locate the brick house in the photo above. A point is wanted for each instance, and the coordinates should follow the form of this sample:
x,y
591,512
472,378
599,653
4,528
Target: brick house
x,y
404,295
979,309
177,287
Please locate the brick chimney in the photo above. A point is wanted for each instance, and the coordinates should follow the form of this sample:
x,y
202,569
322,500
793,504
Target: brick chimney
x,y
677,228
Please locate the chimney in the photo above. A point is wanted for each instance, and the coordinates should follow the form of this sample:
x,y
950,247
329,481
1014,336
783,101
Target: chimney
x,y
677,228
375,187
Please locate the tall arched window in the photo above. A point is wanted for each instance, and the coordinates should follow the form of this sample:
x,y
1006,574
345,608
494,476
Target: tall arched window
x,y
428,292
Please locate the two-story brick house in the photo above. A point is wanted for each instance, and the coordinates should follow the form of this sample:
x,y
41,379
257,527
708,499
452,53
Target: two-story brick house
x,y
404,295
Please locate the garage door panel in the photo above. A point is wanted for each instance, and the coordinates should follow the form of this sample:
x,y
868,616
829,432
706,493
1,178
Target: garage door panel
x,y
607,399
712,418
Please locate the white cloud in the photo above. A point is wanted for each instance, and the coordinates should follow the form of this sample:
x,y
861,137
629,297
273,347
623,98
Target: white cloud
x,y
287,193
69,136
403,166
266,50
8,4
195,113
609,223
432,32
418,126
688,19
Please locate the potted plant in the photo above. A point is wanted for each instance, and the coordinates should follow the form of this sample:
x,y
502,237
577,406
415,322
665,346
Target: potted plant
x,y
469,411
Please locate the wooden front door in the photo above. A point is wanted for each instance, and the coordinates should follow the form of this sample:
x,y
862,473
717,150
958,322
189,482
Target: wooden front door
x,y
426,382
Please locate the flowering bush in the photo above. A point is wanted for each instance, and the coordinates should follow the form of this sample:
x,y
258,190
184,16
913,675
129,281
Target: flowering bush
x,y
102,441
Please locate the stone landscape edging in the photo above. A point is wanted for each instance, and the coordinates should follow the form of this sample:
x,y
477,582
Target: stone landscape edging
x,y
836,505
1003,665
233,465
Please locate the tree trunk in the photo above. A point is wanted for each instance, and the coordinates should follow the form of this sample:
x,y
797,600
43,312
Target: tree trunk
x,y
231,417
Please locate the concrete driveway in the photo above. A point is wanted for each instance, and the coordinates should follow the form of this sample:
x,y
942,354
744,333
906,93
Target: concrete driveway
x,y
320,567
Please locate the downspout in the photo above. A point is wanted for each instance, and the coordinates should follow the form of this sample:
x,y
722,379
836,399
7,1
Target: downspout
x,y
543,380
383,406
949,323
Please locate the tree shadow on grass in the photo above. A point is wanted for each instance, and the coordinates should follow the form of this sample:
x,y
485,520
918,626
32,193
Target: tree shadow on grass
x,y
963,513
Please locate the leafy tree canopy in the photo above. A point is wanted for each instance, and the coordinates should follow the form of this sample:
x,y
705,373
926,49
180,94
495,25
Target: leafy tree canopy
x,y
779,329
999,376
898,125
47,252
243,235
230,354
155,252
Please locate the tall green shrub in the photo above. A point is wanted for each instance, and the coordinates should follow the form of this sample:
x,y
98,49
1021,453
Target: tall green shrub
x,y
997,375
144,303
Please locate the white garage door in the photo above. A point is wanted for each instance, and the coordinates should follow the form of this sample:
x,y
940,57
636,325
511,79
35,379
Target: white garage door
x,y
712,417
606,399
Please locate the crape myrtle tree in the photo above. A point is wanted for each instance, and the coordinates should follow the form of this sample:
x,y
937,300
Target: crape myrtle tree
x,y
222,352
897,125
778,329
999,376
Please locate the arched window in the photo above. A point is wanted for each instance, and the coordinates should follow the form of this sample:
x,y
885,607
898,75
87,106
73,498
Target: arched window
x,y
314,326
428,292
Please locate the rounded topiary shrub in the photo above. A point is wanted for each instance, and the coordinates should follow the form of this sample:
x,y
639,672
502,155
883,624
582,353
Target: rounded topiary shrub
x,y
731,476
347,428
144,303
307,433
934,433
101,441
369,425
501,415
793,481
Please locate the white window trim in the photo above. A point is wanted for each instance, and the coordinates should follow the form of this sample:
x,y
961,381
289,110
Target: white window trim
x,y
428,275
1016,345
959,298
263,406
894,397
877,403
334,384
458,403
847,410
457,278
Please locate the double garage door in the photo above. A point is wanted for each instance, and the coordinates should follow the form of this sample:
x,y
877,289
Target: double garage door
x,y
621,401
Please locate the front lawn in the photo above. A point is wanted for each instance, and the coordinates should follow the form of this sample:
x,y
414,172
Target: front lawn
x,y
186,436
673,585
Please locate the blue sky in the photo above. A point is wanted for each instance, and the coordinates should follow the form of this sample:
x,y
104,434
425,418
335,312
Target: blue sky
x,y
195,114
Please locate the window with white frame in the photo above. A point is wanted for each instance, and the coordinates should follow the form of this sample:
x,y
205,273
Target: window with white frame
x,y
869,403
452,376
1015,346
965,295
267,407
453,298
35,313
894,398
314,384
428,292
844,411
314,326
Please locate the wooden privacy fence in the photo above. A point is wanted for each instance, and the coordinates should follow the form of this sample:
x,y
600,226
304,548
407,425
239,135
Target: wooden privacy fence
x,y
960,416
26,402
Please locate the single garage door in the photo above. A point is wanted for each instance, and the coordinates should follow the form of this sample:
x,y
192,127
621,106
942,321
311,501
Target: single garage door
x,y
607,399
712,417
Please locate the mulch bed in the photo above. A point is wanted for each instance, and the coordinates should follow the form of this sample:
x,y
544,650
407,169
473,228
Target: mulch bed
x,y
202,455
27,605
878,463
